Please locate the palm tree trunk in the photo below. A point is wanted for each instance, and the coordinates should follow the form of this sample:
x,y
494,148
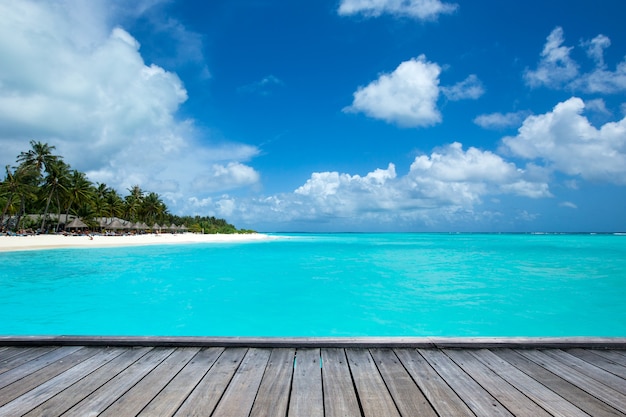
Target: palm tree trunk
x,y
45,212
4,212
20,213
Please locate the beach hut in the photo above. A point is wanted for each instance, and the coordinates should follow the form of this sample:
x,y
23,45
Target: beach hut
x,y
76,224
156,228
115,225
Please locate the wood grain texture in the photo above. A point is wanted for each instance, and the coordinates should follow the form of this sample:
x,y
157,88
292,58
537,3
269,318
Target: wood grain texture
x,y
312,381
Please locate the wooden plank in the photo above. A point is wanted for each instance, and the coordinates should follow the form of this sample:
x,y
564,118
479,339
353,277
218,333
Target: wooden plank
x,y
48,389
30,381
599,390
172,396
239,396
9,352
599,361
306,390
19,356
405,393
273,396
95,377
340,398
103,397
612,355
135,399
535,390
204,397
35,364
579,398
589,369
372,393
443,399
474,396
514,400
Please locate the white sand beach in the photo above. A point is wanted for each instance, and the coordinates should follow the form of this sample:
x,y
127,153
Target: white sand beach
x,y
20,243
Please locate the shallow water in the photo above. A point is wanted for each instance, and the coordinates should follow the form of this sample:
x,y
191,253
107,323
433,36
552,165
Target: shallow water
x,y
324,285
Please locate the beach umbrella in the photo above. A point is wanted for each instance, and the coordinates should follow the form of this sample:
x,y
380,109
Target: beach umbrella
x,y
156,227
76,224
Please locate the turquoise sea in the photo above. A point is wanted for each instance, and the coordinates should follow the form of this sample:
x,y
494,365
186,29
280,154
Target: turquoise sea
x,y
325,285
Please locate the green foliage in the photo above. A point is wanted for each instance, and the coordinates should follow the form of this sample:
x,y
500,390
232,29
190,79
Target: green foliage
x,y
44,185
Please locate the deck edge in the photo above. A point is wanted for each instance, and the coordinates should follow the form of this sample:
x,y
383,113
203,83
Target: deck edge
x,y
323,342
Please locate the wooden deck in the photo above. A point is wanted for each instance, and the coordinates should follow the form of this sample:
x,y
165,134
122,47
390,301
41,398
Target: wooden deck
x,y
304,380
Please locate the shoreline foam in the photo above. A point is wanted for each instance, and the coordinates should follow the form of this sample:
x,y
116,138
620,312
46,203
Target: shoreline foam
x,y
42,242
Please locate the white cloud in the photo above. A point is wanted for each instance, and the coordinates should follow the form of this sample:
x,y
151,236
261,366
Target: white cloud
x,y
557,69
500,120
566,141
463,177
418,9
407,96
470,88
70,79
443,187
225,177
568,204
556,66
596,47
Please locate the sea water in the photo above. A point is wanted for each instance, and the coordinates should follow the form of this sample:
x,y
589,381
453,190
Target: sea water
x,y
324,285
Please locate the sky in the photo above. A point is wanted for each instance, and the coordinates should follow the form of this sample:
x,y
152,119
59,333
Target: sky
x,y
332,115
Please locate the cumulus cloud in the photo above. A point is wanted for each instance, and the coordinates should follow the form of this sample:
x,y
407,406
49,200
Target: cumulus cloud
x,y
566,141
500,120
417,9
445,186
407,96
85,88
556,68
464,177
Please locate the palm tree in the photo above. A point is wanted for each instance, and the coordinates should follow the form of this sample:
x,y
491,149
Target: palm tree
x,y
17,186
54,182
100,199
133,203
40,157
78,191
152,208
114,205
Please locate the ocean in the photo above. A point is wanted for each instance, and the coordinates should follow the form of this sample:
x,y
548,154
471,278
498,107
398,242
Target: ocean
x,y
316,285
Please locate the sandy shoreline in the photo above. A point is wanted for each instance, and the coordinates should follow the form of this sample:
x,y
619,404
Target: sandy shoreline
x,y
20,243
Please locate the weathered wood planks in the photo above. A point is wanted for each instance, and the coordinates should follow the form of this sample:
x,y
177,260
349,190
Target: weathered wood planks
x,y
323,381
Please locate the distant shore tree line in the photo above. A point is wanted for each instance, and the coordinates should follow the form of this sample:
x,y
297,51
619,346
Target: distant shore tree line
x,y
43,191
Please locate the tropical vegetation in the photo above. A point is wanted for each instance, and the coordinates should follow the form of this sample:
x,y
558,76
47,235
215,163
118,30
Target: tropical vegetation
x,y
42,192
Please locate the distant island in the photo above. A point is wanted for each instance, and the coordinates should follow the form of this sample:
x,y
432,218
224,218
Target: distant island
x,y
43,194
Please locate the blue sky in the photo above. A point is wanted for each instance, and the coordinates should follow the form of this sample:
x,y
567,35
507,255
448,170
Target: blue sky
x,y
332,115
